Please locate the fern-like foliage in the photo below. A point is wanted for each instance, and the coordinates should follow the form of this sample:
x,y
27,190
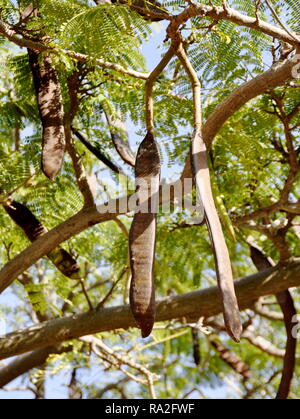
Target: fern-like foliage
x,y
110,31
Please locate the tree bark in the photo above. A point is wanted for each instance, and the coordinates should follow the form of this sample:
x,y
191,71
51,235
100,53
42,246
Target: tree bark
x,y
28,361
191,306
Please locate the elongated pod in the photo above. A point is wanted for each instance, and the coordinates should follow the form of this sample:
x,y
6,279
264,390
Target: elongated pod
x,y
96,151
230,358
34,229
119,138
286,302
200,171
196,346
142,234
50,107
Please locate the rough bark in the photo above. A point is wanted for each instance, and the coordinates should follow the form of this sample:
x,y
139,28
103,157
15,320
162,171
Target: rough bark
x,y
26,362
191,306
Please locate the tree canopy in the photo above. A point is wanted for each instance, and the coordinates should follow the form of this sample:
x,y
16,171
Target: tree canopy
x,y
84,113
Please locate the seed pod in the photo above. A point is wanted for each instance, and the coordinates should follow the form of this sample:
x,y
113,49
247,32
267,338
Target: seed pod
x,y
142,235
50,107
196,346
34,229
97,152
230,358
120,139
200,170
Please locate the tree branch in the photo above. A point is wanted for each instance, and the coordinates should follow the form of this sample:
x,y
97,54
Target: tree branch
x,y
192,306
43,245
226,13
260,84
9,33
286,303
150,83
26,362
87,217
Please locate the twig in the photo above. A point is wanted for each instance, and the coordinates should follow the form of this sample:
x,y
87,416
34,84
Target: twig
x,y
280,22
81,281
150,82
150,377
103,301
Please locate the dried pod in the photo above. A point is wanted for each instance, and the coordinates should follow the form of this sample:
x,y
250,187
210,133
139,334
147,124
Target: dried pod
x,y
287,305
50,107
230,358
143,233
97,152
196,346
200,170
120,139
34,229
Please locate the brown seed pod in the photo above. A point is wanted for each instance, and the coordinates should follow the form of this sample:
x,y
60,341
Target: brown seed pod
x,y
50,107
143,233
199,164
34,229
96,151
230,358
196,346
120,139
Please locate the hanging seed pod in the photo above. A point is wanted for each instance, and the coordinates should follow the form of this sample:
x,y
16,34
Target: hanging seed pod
x,y
120,139
97,152
34,229
230,358
50,107
200,170
142,234
196,346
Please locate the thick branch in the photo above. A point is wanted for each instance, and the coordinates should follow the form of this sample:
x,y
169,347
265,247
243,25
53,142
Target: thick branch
x,y
218,13
271,78
84,219
26,362
193,305
43,245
